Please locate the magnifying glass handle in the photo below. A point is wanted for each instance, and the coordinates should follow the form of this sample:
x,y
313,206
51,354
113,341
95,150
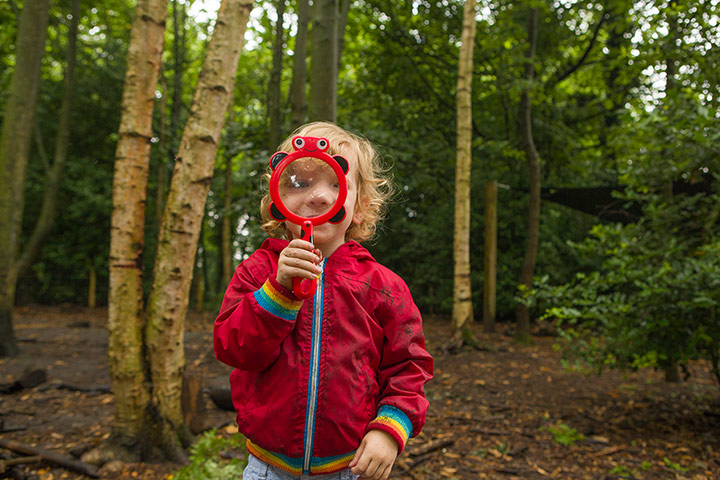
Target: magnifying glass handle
x,y
302,287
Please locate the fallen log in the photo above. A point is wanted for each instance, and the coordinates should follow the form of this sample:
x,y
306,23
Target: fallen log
x,y
51,457
4,464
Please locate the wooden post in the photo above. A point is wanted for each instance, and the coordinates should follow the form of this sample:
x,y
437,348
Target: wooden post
x,y
92,286
490,270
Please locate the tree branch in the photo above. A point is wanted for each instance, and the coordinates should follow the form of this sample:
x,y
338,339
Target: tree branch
x,y
579,63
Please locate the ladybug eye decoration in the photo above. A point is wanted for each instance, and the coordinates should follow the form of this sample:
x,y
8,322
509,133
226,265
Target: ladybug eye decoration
x,y
308,188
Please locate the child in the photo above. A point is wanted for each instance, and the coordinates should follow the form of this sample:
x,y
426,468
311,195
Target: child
x,y
331,386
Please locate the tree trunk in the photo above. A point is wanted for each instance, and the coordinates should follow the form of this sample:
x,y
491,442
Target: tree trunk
x,y
298,101
344,10
226,248
323,65
15,139
178,15
46,218
182,218
132,157
462,312
162,148
92,286
490,257
274,107
533,159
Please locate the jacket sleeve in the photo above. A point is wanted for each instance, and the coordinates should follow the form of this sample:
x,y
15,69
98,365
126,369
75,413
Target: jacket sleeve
x,y
405,368
256,315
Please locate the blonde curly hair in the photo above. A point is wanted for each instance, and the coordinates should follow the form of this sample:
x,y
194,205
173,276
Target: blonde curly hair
x,y
374,186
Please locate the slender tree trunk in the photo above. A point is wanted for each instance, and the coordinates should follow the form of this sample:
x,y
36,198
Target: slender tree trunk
x,y
162,158
125,305
178,16
344,10
15,140
462,312
323,65
298,101
533,159
46,218
227,270
92,285
672,371
490,257
182,219
274,107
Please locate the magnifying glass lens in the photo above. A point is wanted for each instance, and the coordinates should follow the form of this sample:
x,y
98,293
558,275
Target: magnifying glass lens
x,y
308,187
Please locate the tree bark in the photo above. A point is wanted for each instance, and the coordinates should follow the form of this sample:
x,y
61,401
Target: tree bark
x,y
227,257
298,100
462,312
182,218
178,15
132,157
490,257
162,148
54,174
344,10
15,140
274,107
323,64
533,238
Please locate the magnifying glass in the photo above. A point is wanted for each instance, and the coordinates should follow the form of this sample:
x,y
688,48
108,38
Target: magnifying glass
x,y
308,188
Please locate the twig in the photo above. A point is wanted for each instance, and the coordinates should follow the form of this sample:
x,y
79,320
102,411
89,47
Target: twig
x,y
52,457
17,428
607,451
431,446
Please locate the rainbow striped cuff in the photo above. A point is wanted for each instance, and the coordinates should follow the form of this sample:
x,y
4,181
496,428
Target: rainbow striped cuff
x,y
318,465
277,300
393,421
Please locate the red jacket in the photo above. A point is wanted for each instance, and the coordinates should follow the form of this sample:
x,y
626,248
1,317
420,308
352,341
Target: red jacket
x,y
312,377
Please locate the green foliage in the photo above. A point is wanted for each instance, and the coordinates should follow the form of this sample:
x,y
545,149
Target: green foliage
x,y
563,434
673,465
622,471
208,458
601,115
649,295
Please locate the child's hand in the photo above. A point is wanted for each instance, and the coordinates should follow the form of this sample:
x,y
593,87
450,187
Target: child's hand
x,y
375,457
298,259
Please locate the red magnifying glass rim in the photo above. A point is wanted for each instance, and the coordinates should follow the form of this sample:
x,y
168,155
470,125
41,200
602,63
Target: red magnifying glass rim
x,y
275,182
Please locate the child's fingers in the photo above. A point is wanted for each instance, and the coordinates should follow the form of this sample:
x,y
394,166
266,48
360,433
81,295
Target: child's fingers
x,y
386,472
371,469
298,256
303,244
357,456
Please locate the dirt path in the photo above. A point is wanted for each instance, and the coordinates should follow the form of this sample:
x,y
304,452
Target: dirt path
x,y
500,414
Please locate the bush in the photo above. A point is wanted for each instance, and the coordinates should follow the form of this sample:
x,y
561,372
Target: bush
x,y
214,457
649,294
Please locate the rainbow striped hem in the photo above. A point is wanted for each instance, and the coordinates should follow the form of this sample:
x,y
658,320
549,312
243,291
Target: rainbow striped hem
x,y
395,422
272,299
318,465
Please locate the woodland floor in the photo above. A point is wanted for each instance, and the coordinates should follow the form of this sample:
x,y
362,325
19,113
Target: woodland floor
x,y
494,412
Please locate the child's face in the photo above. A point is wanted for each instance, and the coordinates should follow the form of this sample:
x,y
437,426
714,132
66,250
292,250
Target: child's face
x,y
311,189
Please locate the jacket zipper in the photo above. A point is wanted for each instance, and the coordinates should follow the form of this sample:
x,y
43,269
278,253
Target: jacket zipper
x,y
314,372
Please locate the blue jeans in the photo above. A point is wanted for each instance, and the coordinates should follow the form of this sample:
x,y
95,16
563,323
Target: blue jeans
x,y
258,470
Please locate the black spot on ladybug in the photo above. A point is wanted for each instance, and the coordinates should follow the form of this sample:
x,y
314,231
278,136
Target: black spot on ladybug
x,y
342,162
275,213
276,159
339,216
